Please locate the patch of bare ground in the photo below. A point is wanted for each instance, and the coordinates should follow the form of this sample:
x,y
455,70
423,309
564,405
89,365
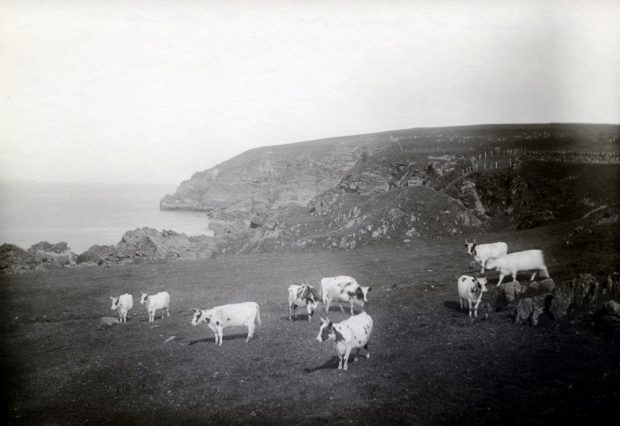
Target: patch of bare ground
x,y
429,363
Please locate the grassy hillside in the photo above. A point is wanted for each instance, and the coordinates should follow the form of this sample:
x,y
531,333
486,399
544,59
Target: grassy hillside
x,y
429,363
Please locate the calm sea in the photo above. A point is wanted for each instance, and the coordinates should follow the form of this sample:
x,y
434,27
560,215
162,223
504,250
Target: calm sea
x,y
85,214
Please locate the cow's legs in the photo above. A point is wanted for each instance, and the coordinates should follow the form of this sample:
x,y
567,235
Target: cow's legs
x,y
514,276
220,331
251,327
470,307
476,307
327,303
367,351
545,270
533,275
346,359
341,308
501,278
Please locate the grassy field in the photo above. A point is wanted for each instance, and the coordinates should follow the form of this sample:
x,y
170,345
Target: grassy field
x,y
429,363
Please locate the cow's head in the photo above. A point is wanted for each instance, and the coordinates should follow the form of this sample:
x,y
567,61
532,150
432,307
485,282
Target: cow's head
x,y
115,301
480,285
326,331
143,298
201,315
471,247
360,295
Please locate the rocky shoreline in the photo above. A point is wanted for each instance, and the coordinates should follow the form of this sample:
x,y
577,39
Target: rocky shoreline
x,y
139,245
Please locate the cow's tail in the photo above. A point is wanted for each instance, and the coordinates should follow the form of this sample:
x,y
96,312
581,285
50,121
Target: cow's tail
x,y
258,313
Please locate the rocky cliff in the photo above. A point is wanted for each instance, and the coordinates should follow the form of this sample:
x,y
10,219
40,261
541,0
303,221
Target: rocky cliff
x,y
267,178
346,191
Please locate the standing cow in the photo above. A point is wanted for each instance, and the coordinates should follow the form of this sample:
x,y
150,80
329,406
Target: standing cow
x,y
156,302
123,304
299,295
233,315
343,289
352,333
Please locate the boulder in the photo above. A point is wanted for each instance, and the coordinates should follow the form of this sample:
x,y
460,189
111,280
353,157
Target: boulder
x,y
528,301
561,302
53,255
95,255
14,259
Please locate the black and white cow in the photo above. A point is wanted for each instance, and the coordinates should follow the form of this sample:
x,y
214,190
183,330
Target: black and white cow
x,y
300,295
352,333
343,288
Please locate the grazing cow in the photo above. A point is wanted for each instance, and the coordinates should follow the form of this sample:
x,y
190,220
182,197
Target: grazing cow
x,y
235,315
512,263
299,295
343,289
123,304
154,302
470,290
483,252
352,333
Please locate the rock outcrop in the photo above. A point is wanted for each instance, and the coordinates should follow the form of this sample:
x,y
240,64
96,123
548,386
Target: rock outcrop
x,y
148,244
14,259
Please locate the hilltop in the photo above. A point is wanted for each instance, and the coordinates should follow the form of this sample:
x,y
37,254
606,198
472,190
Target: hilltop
x,y
407,184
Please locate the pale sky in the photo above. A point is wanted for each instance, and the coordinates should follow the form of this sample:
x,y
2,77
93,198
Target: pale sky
x,y
153,91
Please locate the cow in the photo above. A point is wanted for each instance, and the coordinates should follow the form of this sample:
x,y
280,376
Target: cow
x,y
343,289
154,302
470,291
483,252
123,304
352,333
512,263
299,295
234,315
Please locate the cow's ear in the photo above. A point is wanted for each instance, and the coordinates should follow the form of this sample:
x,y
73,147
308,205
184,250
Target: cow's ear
x,y
369,288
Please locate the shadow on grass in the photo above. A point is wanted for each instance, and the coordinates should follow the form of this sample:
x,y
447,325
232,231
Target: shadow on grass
x,y
453,306
300,317
229,337
332,363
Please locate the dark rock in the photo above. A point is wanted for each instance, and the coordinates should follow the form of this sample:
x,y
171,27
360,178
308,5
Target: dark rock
x,y
561,302
96,255
14,259
52,255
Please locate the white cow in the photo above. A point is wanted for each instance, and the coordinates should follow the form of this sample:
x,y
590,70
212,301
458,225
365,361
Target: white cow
x,y
352,333
123,304
343,289
234,315
154,302
483,252
470,291
299,295
512,263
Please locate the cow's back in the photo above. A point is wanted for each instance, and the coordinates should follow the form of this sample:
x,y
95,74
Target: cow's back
x,y
361,328
236,314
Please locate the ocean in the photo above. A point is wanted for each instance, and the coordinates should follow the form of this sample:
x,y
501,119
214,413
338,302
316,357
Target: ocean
x,y
86,214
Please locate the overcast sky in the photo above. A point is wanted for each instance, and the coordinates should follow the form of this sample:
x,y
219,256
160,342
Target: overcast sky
x,y
152,91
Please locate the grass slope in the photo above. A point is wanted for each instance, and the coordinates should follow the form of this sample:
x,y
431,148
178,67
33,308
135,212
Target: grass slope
x,y
429,364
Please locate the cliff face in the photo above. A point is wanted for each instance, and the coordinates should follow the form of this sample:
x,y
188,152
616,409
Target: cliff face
x,y
271,177
401,185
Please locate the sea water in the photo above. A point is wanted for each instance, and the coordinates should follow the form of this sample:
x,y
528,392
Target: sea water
x,y
86,214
